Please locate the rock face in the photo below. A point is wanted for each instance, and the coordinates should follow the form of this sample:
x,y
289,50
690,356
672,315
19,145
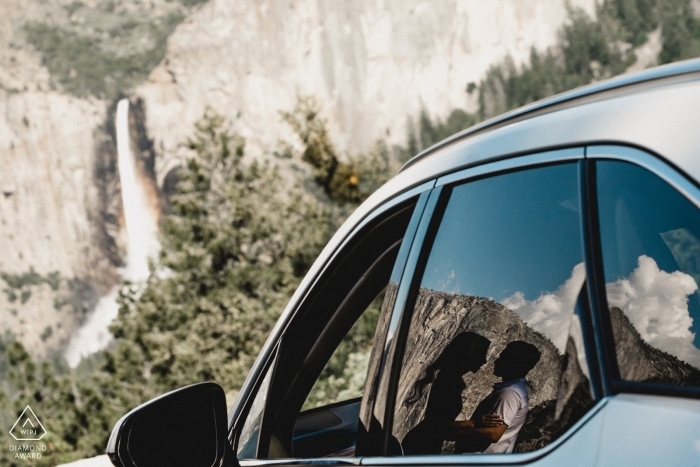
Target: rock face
x,y
439,317
51,214
371,64
559,392
638,361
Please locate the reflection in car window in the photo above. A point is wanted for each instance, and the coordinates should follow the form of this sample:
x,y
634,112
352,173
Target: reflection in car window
x,y
248,441
494,330
651,257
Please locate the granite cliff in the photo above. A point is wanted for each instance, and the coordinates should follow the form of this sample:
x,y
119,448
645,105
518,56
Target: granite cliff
x,y
63,65
555,384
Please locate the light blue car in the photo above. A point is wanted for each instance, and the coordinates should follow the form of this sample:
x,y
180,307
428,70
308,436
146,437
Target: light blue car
x,y
538,276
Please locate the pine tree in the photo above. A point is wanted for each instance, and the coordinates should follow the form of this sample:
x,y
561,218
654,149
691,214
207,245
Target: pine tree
x,y
233,251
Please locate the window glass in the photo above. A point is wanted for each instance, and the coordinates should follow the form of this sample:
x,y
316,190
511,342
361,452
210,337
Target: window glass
x,y
494,359
329,419
312,408
248,441
651,257
343,377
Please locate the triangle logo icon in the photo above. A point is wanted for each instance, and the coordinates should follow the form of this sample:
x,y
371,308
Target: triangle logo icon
x,y
28,427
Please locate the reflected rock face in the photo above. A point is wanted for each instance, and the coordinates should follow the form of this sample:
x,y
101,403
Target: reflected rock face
x,y
439,317
639,361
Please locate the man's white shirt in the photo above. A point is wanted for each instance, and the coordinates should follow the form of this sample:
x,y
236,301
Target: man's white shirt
x,y
511,402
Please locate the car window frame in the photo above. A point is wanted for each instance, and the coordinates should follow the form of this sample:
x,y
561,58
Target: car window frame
x,y
603,370
267,359
686,187
431,218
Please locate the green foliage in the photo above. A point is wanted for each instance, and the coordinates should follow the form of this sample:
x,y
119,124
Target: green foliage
x,y
430,132
240,238
343,377
83,67
20,285
680,31
233,252
636,18
191,3
11,295
78,295
73,7
344,178
234,249
46,333
72,410
18,281
24,297
587,52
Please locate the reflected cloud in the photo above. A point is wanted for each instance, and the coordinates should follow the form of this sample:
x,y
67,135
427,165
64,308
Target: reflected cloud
x,y
685,249
449,285
656,302
551,312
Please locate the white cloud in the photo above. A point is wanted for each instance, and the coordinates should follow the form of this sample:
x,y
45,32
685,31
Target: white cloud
x,y
448,285
656,302
551,312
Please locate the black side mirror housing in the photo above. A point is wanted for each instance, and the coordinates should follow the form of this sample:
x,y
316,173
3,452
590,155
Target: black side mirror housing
x,y
183,428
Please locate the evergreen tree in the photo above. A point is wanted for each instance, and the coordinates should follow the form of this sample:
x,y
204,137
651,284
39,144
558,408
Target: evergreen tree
x,y
346,179
234,249
233,252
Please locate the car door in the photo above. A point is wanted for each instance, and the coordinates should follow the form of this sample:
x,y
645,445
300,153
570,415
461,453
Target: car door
x,y
498,257
649,268
496,250
306,393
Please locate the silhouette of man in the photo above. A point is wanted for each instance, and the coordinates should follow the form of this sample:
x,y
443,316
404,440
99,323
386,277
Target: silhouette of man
x,y
466,352
508,400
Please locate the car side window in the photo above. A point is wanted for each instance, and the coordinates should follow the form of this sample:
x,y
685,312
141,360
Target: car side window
x,y
312,405
343,377
650,239
250,433
494,359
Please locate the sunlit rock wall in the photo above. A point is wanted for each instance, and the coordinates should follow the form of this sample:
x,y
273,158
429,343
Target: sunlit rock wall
x,y
371,63
51,218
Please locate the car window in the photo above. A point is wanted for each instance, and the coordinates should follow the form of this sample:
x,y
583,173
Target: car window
x,y
495,329
343,377
650,239
328,422
312,406
248,441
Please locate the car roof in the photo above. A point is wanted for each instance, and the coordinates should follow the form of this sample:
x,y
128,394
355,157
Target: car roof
x,y
657,110
603,90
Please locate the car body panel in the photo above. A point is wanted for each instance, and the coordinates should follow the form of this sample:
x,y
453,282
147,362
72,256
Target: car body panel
x,y
655,114
646,430
661,120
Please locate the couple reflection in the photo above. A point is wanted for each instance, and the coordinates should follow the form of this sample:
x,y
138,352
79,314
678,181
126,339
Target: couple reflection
x,y
496,421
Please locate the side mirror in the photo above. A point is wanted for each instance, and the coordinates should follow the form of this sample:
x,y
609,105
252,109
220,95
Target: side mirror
x,y
183,428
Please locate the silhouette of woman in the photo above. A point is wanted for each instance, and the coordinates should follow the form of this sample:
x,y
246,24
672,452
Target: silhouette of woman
x,y
466,352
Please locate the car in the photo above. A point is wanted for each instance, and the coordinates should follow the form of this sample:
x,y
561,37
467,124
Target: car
x,y
534,280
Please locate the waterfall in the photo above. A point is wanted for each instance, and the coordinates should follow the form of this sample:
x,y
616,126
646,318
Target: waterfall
x,y
141,226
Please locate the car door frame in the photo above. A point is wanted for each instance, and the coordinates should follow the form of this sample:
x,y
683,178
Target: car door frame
x,y
267,358
419,253
685,186
604,382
